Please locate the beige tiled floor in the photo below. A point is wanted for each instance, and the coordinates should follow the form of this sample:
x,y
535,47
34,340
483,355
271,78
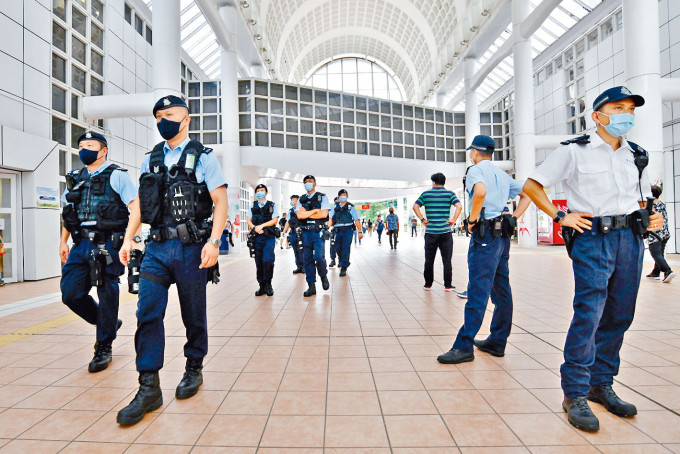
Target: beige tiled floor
x,y
351,370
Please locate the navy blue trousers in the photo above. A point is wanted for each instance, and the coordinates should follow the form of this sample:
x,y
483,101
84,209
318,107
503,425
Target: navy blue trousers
x,y
314,254
334,247
75,289
171,262
488,276
264,257
292,239
343,244
607,271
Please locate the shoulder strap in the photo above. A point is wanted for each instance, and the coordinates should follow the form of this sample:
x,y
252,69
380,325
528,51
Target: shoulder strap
x,y
349,204
641,157
157,157
194,148
270,206
581,140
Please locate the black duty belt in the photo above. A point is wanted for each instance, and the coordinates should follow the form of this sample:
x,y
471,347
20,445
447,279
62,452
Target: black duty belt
x,y
101,236
316,227
187,233
342,228
608,223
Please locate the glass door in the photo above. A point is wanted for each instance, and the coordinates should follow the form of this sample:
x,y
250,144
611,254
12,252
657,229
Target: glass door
x,y
8,226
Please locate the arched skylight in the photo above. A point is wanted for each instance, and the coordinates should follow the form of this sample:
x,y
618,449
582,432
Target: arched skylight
x,y
358,76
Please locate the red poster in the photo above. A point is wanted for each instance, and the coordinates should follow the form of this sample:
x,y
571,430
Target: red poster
x,y
557,230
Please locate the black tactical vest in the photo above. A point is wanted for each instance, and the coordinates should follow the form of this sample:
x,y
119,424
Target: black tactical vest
x,y
262,214
293,220
95,203
169,197
313,203
342,214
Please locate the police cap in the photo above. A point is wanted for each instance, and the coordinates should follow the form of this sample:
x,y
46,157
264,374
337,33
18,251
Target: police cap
x,y
168,101
309,177
91,135
294,196
617,94
483,143
261,186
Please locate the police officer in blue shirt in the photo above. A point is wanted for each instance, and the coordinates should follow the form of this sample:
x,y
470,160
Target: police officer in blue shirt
x,y
180,182
489,188
332,250
345,221
312,211
264,215
606,183
292,226
95,215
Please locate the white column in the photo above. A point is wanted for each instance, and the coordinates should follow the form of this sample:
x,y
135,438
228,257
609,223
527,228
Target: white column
x,y
231,157
525,151
274,187
165,51
471,102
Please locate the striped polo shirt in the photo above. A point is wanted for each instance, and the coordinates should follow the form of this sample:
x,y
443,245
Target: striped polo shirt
x,y
437,203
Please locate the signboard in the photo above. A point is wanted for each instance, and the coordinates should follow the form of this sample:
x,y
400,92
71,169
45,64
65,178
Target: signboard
x,y
365,207
47,197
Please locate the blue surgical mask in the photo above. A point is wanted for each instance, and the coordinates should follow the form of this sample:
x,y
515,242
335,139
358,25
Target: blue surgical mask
x,y
261,195
343,198
309,186
619,124
168,129
292,204
88,156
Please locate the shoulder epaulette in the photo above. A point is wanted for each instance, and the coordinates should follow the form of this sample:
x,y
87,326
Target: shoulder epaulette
x,y
581,140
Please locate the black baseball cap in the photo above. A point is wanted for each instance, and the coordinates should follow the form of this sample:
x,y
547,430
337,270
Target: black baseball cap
x,y
168,101
617,94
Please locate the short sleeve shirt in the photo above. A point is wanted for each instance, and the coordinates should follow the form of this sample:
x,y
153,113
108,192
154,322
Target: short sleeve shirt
x,y
437,202
499,187
275,213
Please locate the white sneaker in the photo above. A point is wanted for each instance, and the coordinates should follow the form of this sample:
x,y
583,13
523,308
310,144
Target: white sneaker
x,y
667,277
462,295
428,288
450,289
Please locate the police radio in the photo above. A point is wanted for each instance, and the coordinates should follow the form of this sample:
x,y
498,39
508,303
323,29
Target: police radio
x,y
134,267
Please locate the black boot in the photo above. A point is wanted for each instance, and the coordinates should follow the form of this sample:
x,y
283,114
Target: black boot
x,y
332,264
343,271
119,324
606,396
148,398
261,291
192,379
311,290
455,356
580,415
324,282
487,346
298,270
102,357
269,289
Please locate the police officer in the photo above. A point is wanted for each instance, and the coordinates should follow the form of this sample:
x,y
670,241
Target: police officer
x,y
264,215
95,215
333,250
292,227
606,183
180,182
312,211
488,275
345,221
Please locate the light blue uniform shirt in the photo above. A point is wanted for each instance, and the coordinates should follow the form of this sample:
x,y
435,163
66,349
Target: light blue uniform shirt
x,y
121,183
325,205
499,187
208,168
275,214
353,212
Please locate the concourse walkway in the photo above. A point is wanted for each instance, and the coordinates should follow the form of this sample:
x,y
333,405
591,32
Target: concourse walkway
x,y
351,370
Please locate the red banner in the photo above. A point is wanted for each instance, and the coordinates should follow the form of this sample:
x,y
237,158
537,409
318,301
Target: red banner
x,y
365,207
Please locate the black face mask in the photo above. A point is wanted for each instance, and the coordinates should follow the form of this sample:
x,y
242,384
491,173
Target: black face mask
x,y
88,156
168,129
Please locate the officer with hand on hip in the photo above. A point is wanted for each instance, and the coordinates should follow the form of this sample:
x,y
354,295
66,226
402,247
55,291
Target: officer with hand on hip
x,y
264,215
606,184
180,182
95,215
292,227
312,211
345,221
489,189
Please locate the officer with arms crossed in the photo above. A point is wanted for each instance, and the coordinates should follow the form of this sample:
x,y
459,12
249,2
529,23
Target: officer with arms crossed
x,y
264,215
605,182
292,227
489,188
180,181
95,215
345,220
312,211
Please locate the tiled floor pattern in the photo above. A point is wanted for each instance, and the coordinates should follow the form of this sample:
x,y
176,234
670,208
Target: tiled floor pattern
x,y
351,370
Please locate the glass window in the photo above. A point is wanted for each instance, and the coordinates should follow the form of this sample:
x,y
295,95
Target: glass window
x,y
580,48
335,130
607,28
307,143
291,109
580,69
619,20
361,103
485,117
397,123
82,3
194,89
361,118
385,107
306,127
128,14
97,36
385,121
592,39
408,111
306,95
398,151
291,92
243,122
243,87
210,122
139,25
334,99
261,139
195,106
321,128
97,9
348,132
306,110
420,126
276,106
75,106
373,120
348,116
320,97
58,68
62,164
261,122
385,135
374,134
429,114
291,125
418,112
245,138
277,140
321,144
76,131
78,49
78,21
276,90
78,79
429,127
58,99
348,146
97,62
210,105
59,37
96,87
209,88
59,9
335,114
210,137
409,153
149,35
321,112
292,142
336,146
373,105
485,130
195,124
408,125
459,118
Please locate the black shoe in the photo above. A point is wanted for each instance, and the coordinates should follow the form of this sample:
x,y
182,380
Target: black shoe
x,y
606,396
102,357
343,271
261,291
311,290
653,275
119,324
668,276
192,379
580,415
455,356
324,283
298,270
270,290
488,347
148,398
332,264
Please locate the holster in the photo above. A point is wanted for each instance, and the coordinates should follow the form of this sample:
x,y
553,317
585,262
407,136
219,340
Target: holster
x,y
214,273
569,236
508,225
134,267
640,222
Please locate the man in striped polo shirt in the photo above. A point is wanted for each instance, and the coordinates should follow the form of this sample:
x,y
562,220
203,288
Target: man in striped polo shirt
x,y
437,202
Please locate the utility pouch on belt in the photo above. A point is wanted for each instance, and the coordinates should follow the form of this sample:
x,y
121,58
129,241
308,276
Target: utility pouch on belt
x,y
568,235
71,221
605,224
152,201
276,231
183,234
182,201
325,234
497,227
481,224
508,225
640,222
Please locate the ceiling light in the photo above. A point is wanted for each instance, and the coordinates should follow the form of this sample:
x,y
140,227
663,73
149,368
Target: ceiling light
x,y
436,82
442,74
257,36
456,54
449,64
486,12
244,4
267,61
464,42
252,22
263,49
474,28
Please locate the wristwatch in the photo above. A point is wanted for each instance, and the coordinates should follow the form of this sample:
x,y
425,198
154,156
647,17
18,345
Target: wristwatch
x,y
559,216
215,242
137,239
